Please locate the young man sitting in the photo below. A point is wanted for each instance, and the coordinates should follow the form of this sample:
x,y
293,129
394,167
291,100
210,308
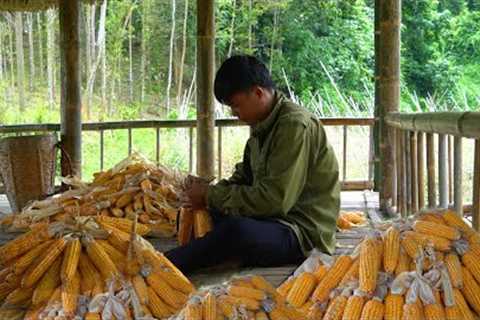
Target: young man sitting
x,y
283,198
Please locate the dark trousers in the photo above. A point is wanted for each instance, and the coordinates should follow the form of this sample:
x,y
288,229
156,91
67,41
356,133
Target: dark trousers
x,y
253,242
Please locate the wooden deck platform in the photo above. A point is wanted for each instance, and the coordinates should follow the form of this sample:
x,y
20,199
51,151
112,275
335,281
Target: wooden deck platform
x,y
365,201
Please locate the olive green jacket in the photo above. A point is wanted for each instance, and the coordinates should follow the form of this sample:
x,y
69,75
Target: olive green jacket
x,y
289,173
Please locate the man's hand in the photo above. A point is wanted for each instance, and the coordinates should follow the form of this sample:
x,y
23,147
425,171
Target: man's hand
x,y
195,189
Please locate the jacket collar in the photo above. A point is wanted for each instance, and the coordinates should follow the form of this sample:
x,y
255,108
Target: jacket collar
x,y
265,125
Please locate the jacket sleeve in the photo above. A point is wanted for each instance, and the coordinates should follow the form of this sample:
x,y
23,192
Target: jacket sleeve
x,y
277,191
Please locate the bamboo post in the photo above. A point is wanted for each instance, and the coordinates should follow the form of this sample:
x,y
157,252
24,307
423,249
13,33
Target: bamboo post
x,y
157,147
408,173
388,89
421,170
102,146
414,172
476,187
450,168
399,165
205,78
404,176
395,190
458,175
442,171
432,193
344,162
71,104
220,151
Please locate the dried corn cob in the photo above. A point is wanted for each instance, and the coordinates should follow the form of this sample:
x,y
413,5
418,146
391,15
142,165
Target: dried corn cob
x,y
243,292
391,249
452,313
354,307
209,307
260,315
158,308
471,290
185,226
332,278
286,286
90,275
47,285
412,311
437,230
439,243
18,297
373,310
432,217
302,289
202,223
410,245
124,225
70,294
247,303
403,264
393,306
140,288
165,292
352,273
462,305
37,270
454,267
434,311
472,262
320,272
175,281
22,263
368,265
92,316
336,308
100,259
24,243
454,220
70,260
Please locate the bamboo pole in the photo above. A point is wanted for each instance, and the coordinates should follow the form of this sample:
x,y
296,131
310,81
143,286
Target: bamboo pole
x,y
388,89
408,173
399,164
404,176
458,176
450,169
442,171
414,171
432,193
476,187
395,166
205,78
71,105
421,169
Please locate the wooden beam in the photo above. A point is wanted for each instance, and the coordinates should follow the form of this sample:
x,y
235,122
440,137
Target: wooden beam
x,y
414,170
442,171
205,79
388,89
458,176
71,105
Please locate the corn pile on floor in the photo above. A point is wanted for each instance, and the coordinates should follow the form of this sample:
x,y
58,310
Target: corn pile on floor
x,y
365,201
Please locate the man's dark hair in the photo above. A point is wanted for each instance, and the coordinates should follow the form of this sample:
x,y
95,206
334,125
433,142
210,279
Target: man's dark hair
x,y
240,73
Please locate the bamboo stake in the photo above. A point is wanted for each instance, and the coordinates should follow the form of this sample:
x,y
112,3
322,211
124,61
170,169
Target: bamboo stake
x,y
432,194
414,172
408,173
450,169
421,169
399,166
442,171
458,176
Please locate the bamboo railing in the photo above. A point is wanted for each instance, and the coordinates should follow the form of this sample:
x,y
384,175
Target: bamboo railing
x,y
414,144
191,125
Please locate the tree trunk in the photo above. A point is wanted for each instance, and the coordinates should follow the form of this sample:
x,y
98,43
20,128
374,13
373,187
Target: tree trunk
x,y
31,51
40,43
98,59
88,47
91,26
130,61
103,56
20,60
250,42
1,53
232,28
182,57
143,46
170,60
51,57
274,36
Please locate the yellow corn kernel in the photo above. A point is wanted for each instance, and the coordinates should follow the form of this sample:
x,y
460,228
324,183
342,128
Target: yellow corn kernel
x,y
70,294
353,309
101,259
26,260
462,305
373,310
172,297
244,292
209,307
454,267
158,308
471,290
336,308
141,289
